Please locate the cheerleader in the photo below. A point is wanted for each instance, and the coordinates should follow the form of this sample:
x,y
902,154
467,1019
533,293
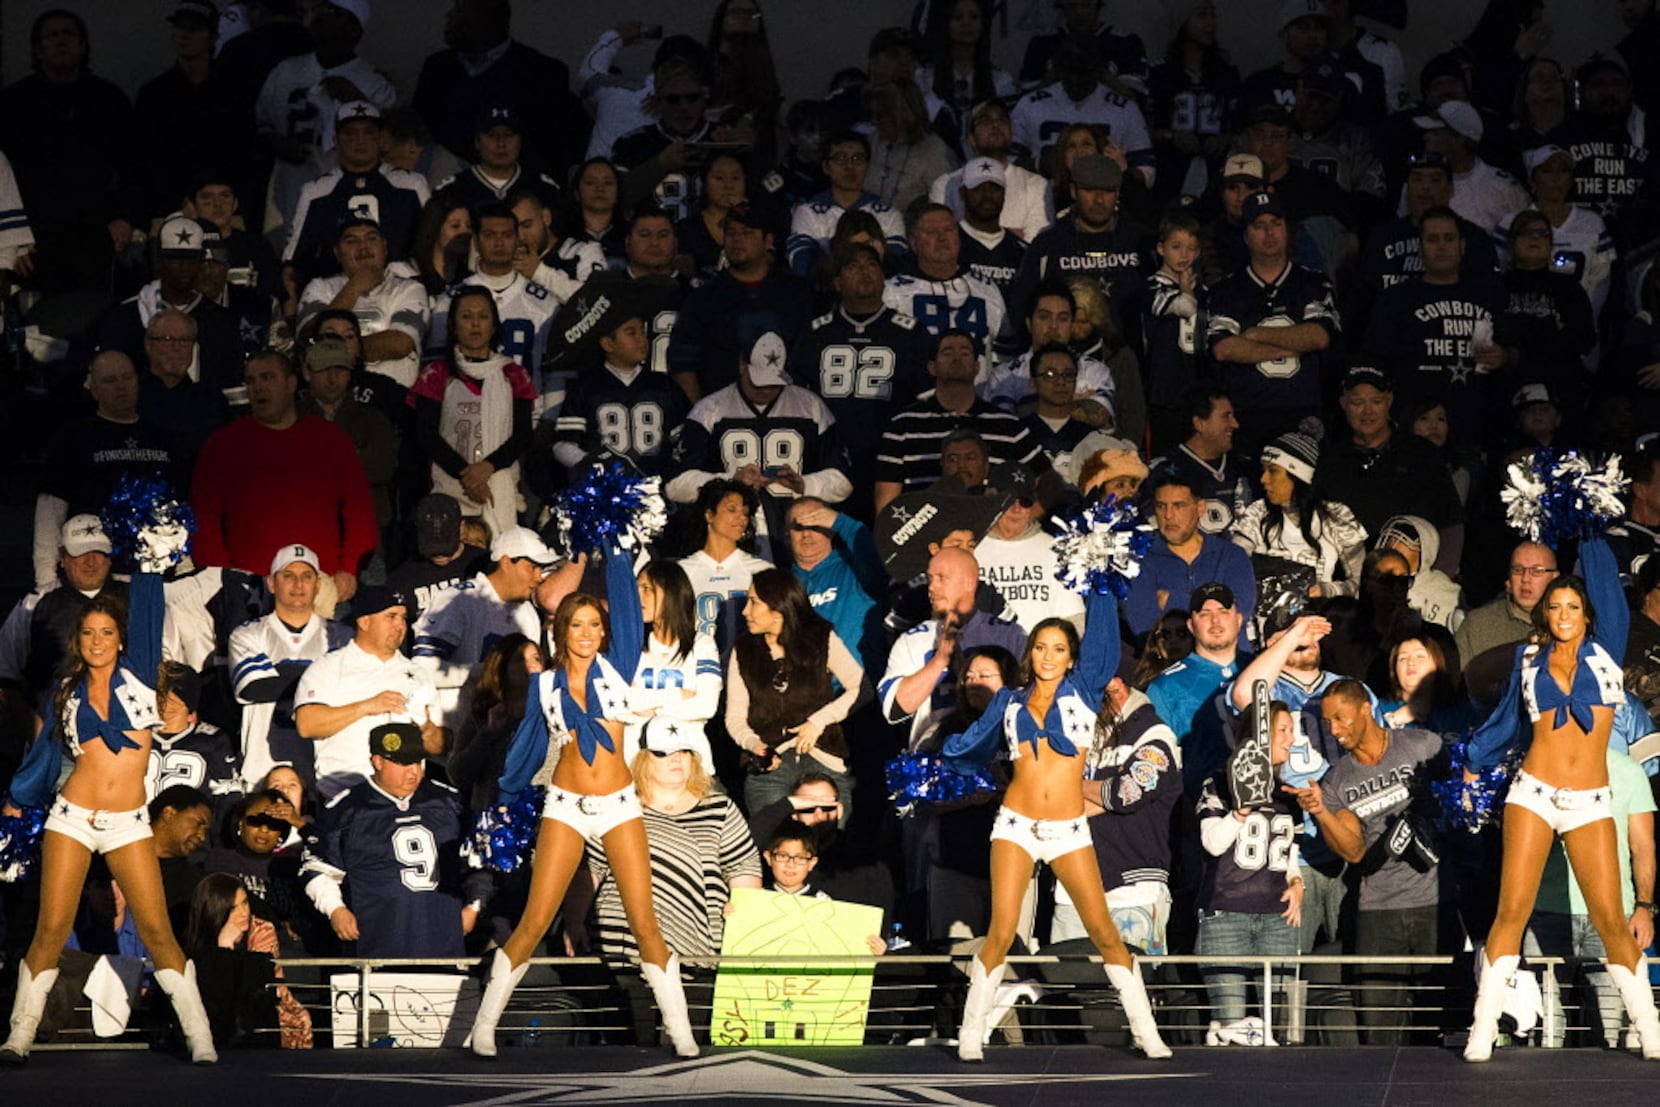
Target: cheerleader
x,y
104,712
1048,724
583,700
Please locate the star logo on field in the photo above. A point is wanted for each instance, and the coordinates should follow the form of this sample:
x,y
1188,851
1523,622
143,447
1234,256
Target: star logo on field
x,y
745,1075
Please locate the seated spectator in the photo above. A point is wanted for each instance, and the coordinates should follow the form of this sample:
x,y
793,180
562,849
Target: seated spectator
x,y
329,364
782,705
1484,194
1508,619
233,951
622,407
385,867
499,171
341,698
473,410
1058,419
702,234
442,560
1181,557
180,819
906,156
443,239
791,857
173,393
1049,322
1024,211
1434,595
700,852
1576,240
1185,693
390,308
722,565
1206,458
253,850
1292,523
813,221
497,705
1549,317
185,750
936,287
598,218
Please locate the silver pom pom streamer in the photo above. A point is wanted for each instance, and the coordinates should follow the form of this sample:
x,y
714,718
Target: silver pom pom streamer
x,y
147,525
1555,498
1101,549
610,506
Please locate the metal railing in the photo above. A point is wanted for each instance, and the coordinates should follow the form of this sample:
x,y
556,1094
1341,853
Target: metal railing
x,y
1306,1000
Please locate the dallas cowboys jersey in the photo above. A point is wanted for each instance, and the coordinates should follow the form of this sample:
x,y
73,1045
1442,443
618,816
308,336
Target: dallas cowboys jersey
x,y
391,197
1041,115
458,629
526,308
724,432
267,659
995,259
1173,352
401,864
1227,485
1243,300
675,192
1248,875
630,419
813,223
963,303
472,189
200,757
721,588
864,370
396,303
1010,382
566,267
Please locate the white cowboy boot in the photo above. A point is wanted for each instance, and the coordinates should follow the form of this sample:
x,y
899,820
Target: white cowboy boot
x,y
27,1008
503,979
671,1004
1639,1004
187,1004
982,993
1132,993
1484,1026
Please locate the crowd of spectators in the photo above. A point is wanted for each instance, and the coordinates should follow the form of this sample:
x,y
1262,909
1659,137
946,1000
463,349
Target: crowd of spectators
x,y
1305,317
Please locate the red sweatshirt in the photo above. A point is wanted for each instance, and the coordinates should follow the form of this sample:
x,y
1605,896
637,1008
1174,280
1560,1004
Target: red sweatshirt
x,y
258,489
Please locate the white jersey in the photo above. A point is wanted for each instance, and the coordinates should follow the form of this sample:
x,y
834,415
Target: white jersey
x,y
257,649
1010,381
526,309
1484,196
662,681
15,236
572,263
1041,115
964,303
813,223
187,631
1027,207
617,109
395,304
1023,572
721,588
1583,240
1387,57
457,629
350,675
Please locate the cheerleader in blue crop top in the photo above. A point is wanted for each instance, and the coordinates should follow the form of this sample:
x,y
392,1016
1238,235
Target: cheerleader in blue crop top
x,y
103,713
1048,725
1559,706
582,700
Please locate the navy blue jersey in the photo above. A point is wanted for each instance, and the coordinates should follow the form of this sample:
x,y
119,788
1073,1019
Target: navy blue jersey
x,y
1243,300
401,865
995,264
632,420
202,757
1248,877
1174,356
864,371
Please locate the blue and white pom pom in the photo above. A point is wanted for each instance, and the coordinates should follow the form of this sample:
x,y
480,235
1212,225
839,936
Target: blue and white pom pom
x,y
920,779
610,506
1555,498
1101,550
1471,805
20,843
148,526
504,836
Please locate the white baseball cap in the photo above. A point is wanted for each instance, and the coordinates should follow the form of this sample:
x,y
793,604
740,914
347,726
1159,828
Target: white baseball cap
x,y
84,534
358,8
182,236
353,110
663,736
521,542
766,362
1539,155
1460,115
983,171
288,555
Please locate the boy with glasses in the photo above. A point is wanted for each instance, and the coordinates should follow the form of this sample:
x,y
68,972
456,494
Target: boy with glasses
x,y
813,221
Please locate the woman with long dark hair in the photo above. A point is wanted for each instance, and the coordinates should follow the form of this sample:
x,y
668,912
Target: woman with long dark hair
x,y
473,413
723,561
239,977
581,701
746,93
1192,97
104,713
957,47
702,234
1048,725
782,708
1559,706
679,675
598,218
499,694
1294,523
443,238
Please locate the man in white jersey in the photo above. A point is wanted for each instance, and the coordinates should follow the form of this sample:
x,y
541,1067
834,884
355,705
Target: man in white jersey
x,y
267,658
461,623
1078,96
937,291
391,310
526,308
365,683
560,265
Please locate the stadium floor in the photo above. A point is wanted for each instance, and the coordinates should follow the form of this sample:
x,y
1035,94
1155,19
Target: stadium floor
x,y
1029,1076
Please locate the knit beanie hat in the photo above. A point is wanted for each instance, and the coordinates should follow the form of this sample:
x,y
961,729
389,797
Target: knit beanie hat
x,y
1297,453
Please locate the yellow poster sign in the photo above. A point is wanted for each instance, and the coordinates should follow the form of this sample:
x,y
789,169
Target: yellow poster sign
x,y
787,1003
